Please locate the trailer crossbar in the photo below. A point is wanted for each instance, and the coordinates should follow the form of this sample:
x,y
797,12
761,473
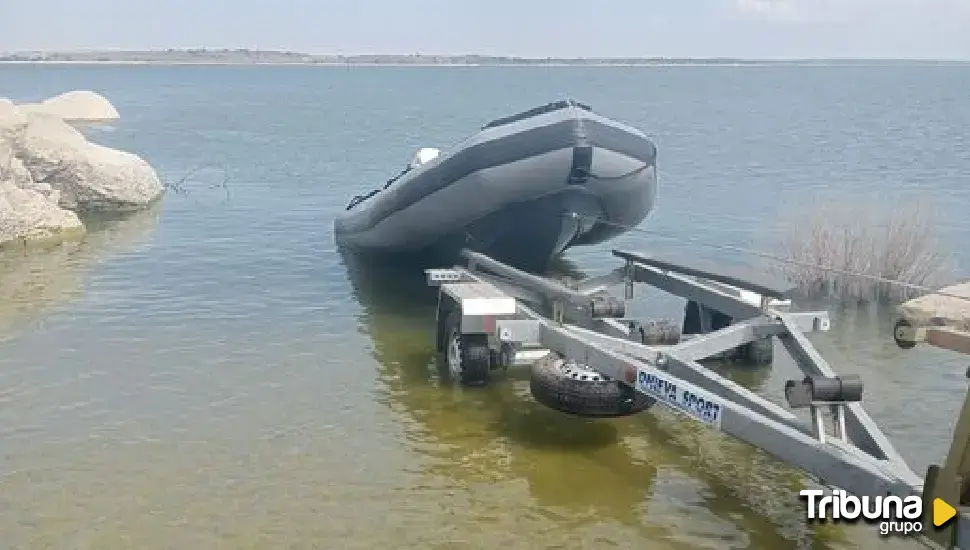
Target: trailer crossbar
x,y
738,282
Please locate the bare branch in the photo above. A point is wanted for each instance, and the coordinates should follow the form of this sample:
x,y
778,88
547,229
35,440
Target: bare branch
x,y
901,245
178,186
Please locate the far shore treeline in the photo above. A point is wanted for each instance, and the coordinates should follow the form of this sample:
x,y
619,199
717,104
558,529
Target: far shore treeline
x,y
244,56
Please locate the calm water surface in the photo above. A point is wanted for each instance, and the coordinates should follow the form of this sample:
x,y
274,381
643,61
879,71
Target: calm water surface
x,y
210,374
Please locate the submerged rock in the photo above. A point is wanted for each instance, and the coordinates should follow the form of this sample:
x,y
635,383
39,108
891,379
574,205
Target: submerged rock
x,y
27,215
49,171
30,284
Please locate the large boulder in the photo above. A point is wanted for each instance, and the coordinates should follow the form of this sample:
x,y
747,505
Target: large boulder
x,y
89,177
76,106
12,120
28,209
27,215
49,171
12,169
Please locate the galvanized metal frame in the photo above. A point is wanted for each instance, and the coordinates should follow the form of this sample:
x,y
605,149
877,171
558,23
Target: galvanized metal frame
x,y
857,457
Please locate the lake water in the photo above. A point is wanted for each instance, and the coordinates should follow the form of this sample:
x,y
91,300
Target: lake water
x,y
209,374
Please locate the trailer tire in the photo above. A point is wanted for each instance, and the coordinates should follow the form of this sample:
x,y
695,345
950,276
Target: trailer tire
x,y
467,357
759,352
444,316
569,388
655,332
900,329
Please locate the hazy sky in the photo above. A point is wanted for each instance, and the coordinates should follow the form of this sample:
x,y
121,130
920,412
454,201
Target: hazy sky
x,y
533,28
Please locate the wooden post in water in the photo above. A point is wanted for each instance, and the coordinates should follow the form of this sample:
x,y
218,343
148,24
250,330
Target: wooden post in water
x,y
943,320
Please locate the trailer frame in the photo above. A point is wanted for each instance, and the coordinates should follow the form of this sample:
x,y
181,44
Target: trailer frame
x,y
500,304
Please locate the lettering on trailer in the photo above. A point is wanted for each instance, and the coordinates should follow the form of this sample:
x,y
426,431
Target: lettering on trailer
x,y
701,407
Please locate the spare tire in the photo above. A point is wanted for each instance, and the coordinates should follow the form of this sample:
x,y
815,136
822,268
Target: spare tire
x,y
574,389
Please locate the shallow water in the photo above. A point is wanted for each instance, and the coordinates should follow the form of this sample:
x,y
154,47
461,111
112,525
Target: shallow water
x,y
211,374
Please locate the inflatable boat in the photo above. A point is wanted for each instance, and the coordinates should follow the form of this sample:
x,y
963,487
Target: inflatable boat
x,y
522,190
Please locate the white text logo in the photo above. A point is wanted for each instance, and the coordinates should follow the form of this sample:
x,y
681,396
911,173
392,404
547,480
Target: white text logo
x,y
892,513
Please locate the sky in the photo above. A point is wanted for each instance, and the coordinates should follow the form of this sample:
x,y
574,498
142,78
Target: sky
x,y
764,29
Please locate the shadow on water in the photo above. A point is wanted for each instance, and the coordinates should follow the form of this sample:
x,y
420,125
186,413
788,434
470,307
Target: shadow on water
x,y
34,281
655,475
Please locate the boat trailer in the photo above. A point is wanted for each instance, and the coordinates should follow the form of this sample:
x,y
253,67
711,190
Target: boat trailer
x,y
489,318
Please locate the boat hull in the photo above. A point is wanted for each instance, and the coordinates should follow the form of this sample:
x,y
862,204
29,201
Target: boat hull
x,y
522,191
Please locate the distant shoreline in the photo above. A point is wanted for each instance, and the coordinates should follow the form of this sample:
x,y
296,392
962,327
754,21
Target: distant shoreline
x,y
243,57
122,63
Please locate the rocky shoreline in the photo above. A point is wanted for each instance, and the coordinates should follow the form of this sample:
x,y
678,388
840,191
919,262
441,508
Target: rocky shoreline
x,y
50,172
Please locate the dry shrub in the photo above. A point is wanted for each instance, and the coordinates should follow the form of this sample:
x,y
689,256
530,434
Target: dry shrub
x,y
836,240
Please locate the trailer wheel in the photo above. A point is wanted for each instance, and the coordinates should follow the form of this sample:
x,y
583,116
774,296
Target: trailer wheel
x,y
467,356
900,336
442,328
573,389
759,352
655,332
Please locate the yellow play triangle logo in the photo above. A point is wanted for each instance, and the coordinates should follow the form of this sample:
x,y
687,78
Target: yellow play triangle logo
x,y
942,512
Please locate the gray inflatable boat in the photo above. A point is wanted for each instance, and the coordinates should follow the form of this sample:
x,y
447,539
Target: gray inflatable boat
x,y
510,191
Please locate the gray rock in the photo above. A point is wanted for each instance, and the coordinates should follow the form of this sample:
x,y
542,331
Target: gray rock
x,y
27,215
76,106
49,171
90,177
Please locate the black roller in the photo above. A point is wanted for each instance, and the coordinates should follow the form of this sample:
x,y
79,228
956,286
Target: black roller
x,y
846,389
608,308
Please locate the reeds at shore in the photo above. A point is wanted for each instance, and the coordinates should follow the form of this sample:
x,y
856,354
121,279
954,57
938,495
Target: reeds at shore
x,y
834,242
